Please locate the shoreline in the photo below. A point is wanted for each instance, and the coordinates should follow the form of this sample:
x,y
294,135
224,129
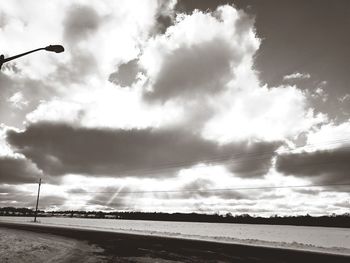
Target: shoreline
x,y
119,246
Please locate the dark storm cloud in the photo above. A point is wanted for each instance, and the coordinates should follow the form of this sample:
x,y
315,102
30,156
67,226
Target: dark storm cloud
x,y
58,149
126,74
80,23
328,166
18,171
192,70
255,161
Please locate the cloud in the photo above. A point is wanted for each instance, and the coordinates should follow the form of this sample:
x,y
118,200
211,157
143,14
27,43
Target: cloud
x,y
165,15
312,192
97,37
204,64
191,71
126,74
261,113
345,98
200,188
328,136
18,171
297,75
255,161
324,166
191,97
17,100
20,95
197,56
21,199
77,191
60,148
109,198
80,23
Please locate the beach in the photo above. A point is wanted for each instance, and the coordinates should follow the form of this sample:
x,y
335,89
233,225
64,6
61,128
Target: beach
x,y
39,243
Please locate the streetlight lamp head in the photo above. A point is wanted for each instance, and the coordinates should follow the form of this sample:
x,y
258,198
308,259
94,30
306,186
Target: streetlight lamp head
x,y
55,48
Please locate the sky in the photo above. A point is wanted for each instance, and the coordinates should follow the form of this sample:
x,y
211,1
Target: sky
x,y
176,106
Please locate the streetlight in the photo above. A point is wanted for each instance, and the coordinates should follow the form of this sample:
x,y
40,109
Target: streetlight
x,y
50,48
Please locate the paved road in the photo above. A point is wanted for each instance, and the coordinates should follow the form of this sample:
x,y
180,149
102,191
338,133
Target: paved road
x,y
119,247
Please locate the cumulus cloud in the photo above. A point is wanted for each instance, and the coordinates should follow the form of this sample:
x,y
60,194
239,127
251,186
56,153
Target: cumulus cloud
x,y
204,62
198,55
297,75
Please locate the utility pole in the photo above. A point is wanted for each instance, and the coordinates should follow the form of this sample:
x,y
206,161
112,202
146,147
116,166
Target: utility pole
x,y
37,201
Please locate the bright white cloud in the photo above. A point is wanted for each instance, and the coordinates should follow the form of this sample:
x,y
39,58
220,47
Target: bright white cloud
x,y
17,100
262,114
329,136
297,75
5,149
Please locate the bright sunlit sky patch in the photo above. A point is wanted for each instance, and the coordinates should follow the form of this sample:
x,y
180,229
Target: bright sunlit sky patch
x,y
156,105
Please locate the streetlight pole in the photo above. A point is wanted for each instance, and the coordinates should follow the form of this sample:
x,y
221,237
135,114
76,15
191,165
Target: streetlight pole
x,y
50,48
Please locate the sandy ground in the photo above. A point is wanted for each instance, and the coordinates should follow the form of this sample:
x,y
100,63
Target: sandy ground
x,y
37,243
24,246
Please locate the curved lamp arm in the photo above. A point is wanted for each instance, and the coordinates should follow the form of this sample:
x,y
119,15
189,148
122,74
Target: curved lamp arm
x,y
51,48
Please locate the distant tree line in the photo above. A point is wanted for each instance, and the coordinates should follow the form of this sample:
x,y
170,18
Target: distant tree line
x,y
300,220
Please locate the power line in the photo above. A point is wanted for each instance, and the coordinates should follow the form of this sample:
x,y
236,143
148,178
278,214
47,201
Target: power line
x,y
228,158
210,190
234,159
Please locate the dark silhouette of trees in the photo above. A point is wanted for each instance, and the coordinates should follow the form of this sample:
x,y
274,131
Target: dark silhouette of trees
x,y
332,220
